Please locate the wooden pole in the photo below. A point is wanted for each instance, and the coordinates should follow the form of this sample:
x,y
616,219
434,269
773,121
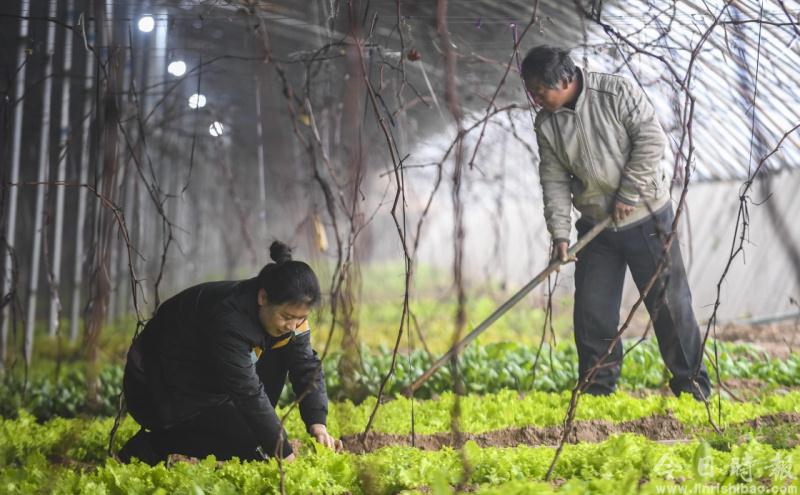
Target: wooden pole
x,y
500,311
80,219
41,187
58,235
13,192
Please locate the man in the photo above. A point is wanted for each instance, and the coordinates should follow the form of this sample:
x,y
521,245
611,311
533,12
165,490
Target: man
x,y
600,149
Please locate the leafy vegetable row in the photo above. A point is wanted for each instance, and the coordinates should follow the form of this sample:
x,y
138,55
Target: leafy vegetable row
x,y
481,413
620,462
85,440
483,369
510,365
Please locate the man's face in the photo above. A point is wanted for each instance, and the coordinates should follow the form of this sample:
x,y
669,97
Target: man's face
x,y
278,319
551,99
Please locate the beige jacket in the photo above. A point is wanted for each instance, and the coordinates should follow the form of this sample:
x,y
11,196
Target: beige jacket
x,y
608,148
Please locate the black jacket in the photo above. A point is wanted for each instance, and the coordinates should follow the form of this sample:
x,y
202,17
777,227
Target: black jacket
x,y
196,352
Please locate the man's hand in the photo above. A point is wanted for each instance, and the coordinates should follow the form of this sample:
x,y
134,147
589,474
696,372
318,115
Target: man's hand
x,y
561,252
621,210
321,435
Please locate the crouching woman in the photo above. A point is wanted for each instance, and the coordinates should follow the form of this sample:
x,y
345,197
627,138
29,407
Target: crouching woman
x,y
192,380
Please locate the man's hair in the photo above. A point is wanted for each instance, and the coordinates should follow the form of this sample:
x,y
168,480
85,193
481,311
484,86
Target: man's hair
x,y
549,65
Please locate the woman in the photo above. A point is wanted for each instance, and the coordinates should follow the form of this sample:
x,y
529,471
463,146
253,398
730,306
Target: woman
x,y
191,381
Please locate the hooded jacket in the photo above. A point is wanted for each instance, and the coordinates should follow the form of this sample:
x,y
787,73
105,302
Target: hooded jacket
x,y
609,147
197,352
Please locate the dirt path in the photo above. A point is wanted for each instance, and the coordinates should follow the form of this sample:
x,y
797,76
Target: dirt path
x,y
659,427
746,389
778,339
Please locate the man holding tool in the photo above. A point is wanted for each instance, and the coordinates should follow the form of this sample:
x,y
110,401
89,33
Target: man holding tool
x,y
600,148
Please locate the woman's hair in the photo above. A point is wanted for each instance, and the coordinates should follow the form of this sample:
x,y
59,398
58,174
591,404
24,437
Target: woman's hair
x,y
286,280
549,65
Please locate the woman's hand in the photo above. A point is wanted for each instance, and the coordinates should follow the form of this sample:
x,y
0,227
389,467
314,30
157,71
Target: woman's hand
x,y
321,435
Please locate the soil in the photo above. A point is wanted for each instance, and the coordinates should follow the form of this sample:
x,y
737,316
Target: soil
x,y
662,428
778,339
653,427
735,388
750,388
773,420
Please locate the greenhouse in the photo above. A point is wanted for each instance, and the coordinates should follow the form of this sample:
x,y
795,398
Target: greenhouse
x,y
398,246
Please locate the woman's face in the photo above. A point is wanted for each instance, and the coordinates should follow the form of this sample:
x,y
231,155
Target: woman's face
x,y
278,319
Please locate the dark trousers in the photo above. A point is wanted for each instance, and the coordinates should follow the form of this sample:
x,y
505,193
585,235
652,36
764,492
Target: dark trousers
x,y
599,279
220,430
